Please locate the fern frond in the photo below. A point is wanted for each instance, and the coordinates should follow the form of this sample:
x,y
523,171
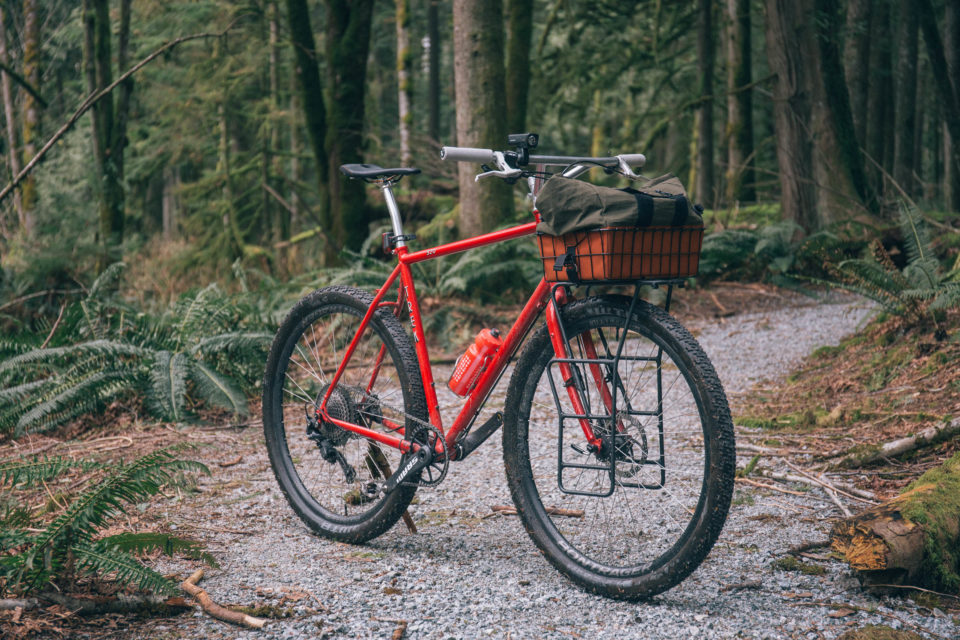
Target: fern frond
x,y
948,297
106,280
72,398
234,340
91,510
31,471
106,349
125,568
154,541
216,389
916,237
168,385
20,392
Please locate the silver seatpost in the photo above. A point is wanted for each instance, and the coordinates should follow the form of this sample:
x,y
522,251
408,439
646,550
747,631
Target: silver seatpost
x,y
394,211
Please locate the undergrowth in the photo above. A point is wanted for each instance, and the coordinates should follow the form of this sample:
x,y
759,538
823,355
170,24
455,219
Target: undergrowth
x,y
37,553
205,349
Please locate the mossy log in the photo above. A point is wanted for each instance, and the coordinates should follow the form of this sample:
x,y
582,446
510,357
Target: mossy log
x,y
913,539
863,455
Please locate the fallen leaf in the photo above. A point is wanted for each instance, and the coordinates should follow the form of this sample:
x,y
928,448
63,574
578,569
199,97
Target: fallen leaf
x,y
392,591
842,612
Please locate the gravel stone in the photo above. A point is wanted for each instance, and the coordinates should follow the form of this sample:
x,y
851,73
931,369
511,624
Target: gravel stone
x,y
465,577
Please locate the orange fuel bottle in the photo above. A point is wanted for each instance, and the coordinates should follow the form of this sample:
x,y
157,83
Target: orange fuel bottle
x,y
466,373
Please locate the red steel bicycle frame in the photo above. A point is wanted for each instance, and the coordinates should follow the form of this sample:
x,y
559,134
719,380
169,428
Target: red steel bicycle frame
x,y
511,342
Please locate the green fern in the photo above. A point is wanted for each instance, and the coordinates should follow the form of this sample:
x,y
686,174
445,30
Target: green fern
x,y
206,348
122,566
168,385
917,291
70,534
29,472
153,541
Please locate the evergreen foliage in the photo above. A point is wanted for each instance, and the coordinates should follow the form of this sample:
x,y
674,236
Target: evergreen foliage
x,y
189,355
917,292
67,546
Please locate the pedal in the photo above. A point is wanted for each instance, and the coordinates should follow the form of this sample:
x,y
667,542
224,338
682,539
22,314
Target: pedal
x,y
422,458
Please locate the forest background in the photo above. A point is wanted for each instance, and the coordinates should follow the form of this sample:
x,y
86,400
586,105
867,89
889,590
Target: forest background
x,y
172,185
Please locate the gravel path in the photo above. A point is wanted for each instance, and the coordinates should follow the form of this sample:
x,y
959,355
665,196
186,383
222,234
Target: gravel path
x,y
465,576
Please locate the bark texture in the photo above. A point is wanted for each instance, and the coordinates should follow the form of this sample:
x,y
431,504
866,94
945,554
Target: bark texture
x,y
481,109
347,47
838,168
881,95
109,119
31,108
739,178
404,79
519,22
11,131
951,45
857,56
789,51
703,187
906,110
311,102
433,73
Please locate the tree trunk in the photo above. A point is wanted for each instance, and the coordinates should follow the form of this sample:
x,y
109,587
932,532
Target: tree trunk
x,y
31,109
170,202
313,108
703,188
903,159
347,46
881,96
789,50
11,123
404,79
480,87
109,123
913,539
838,164
433,74
857,55
739,176
281,230
519,34
947,81
951,49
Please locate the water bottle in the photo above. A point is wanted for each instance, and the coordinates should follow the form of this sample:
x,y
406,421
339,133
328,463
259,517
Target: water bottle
x,y
474,361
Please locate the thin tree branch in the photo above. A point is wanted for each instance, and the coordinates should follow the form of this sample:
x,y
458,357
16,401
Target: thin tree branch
x,y
96,97
23,83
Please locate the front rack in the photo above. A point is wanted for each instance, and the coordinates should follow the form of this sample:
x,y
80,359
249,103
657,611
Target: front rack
x,y
609,422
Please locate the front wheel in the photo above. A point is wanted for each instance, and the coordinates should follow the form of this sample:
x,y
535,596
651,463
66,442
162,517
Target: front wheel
x,y
635,516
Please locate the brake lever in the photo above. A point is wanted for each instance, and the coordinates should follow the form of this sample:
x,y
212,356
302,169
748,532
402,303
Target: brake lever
x,y
505,170
509,173
625,168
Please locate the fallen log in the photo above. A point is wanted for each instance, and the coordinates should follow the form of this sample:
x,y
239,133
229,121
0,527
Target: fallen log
x,y
220,613
863,455
913,539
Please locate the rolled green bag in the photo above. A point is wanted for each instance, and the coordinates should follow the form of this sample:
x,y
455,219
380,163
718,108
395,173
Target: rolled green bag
x,y
567,204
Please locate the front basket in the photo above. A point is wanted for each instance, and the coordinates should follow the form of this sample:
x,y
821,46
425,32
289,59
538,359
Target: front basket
x,y
621,254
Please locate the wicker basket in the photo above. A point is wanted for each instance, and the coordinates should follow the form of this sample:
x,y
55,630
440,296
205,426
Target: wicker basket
x,y
621,254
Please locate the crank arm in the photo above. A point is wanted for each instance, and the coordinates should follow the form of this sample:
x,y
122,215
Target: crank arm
x,y
417,462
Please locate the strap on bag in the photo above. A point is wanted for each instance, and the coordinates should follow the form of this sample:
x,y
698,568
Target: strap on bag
x,y
567,260
644,206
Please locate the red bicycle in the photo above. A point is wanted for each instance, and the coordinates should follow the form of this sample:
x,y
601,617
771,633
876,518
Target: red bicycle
x,y
614,414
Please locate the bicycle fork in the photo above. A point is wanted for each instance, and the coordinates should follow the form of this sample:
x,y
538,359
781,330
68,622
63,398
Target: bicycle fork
x,y
572,379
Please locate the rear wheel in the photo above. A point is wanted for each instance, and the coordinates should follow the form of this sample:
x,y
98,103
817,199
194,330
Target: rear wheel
x,y
637,515
329,475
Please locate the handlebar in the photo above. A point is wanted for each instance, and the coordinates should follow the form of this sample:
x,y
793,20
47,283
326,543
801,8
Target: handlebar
x,y
576,164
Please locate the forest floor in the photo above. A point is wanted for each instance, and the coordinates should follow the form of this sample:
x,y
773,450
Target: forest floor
x,y
468,573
